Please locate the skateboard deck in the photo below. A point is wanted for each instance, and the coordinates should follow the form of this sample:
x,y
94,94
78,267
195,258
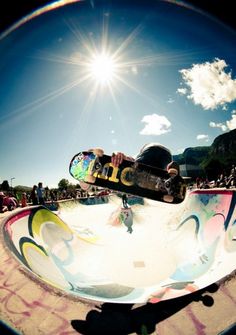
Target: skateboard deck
x,y
95,168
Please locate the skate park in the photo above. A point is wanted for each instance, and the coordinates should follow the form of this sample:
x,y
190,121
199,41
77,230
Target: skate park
x,y
34,279
79,75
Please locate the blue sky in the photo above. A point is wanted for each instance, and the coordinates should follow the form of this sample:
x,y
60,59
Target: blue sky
x,y
171,79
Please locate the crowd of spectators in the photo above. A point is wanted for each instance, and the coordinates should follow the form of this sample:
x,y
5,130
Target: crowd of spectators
x,y
7,202
223,180
39,196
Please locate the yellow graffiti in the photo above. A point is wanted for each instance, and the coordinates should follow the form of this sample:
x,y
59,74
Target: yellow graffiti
x,y
42,216
114,174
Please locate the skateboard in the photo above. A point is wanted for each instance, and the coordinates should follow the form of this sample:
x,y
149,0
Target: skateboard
x,y
95,168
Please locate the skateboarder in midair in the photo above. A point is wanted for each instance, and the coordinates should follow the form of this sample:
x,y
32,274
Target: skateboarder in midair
x,y
155,155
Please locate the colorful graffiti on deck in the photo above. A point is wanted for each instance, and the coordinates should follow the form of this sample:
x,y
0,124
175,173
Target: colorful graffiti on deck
x,y
199,250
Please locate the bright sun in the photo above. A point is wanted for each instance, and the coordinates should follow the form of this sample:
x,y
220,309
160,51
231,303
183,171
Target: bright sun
x,y
103,68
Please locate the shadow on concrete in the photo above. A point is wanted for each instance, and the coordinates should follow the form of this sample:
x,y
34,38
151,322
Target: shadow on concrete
x,y
121,319
6,329
229,331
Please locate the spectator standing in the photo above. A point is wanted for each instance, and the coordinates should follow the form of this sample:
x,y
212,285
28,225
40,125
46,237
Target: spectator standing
x,y
232,178
3,208
40,194
34,196
23,200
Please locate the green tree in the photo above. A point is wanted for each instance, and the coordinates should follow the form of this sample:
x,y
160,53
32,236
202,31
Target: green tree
x,y
5,185
63,184
213,167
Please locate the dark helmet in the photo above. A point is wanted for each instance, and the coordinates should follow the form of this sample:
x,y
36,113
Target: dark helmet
x,y
154,154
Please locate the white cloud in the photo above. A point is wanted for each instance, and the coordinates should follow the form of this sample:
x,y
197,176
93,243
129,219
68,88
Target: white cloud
x,y
231,124
220,125
228,125
202,137
208,84
155,125
182,91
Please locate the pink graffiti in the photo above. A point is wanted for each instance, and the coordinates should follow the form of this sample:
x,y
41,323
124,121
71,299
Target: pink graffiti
x,y
19,304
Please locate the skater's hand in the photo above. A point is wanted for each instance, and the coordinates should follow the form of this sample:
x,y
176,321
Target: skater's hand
x,y
117,158
97,151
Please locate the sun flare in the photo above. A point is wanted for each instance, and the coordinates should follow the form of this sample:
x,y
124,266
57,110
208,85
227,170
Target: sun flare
x,y
103,68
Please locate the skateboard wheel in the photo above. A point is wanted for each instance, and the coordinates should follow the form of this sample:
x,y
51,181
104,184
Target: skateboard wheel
x,y
168,198
97,166
98,152
90,179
